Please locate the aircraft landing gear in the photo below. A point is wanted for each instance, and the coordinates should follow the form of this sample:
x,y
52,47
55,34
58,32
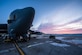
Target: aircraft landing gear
x,y
24,37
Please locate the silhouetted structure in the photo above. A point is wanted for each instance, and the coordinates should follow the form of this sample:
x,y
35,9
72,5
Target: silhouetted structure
x,y
3,28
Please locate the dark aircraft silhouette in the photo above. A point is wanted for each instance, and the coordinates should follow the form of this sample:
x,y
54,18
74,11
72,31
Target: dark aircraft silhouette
x,y
19,23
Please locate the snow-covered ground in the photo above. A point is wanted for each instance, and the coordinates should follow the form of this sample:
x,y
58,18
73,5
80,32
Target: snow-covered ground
x,y
60,38
73,40
61,45
76,41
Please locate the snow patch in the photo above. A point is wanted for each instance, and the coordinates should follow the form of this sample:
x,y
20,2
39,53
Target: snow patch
x,y
60,38
34,45
74,41
61,45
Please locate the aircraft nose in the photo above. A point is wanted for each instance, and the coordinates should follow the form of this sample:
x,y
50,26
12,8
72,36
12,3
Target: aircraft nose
x,y
30,10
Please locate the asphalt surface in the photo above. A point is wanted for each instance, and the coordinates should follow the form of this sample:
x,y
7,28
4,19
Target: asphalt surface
x,y
40,47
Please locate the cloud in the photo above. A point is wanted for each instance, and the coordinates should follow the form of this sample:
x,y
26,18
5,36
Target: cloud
x,y
65,20
46,28
52,29
66,14
78,20
68,28
69,31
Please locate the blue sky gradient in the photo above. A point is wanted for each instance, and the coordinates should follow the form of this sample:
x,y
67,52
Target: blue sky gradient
x,y
51,16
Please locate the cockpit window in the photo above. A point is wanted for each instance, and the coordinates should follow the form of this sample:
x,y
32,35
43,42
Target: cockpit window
x,y
12,19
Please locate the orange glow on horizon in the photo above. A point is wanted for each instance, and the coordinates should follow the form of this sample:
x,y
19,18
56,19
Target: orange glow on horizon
x,y
65,31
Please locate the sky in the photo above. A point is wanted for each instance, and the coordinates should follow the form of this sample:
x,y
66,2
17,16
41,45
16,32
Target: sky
x,y
51,16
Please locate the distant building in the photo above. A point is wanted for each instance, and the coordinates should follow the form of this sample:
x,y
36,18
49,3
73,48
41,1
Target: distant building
x,y
36,32
3,28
